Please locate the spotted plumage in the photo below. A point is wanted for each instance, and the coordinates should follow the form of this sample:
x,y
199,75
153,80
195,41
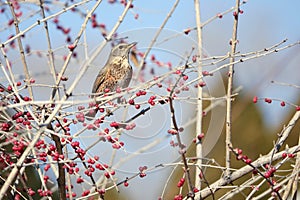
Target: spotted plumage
x,y
116,73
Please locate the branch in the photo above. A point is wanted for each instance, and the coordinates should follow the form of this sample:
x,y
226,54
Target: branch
x,y
14,172
21,49
50,51
199,96
243,171
229,90
191,193
155,38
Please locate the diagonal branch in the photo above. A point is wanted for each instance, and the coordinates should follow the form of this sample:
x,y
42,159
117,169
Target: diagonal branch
x,y
155,38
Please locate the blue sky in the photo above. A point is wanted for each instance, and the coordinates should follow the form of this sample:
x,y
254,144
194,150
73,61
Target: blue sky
x,y
263,24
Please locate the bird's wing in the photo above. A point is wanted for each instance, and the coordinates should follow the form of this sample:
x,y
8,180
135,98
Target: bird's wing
x,y
99,80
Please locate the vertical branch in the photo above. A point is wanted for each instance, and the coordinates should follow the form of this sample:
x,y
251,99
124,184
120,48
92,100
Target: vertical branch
x,y
50,51
199,97
21,49
229,89
61,180
182,151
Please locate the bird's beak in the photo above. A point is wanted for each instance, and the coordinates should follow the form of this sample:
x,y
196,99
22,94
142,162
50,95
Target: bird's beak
x,y
132,45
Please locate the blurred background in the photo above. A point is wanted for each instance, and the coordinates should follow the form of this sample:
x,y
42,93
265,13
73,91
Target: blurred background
x,y
262,24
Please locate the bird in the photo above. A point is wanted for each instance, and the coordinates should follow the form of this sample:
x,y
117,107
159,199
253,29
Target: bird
x,y
116,73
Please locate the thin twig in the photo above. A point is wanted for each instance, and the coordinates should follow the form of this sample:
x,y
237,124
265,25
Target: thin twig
x,y
21,49
73,46
38,22
154,39
50,51
229,90
182,150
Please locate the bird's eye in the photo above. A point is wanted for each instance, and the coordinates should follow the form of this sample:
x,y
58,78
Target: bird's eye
x,y
120,47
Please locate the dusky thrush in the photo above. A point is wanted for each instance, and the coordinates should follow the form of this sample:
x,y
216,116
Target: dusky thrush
x,y
116,73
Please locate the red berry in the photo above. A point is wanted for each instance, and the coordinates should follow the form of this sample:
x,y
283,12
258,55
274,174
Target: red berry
x,y
200,136
101,191
26,98
238,151
9,88
64,78
113,172
239,157
202,84
136,16
248,161
137,106
187,31
179,184
71,47
10,22
178,72
290,155
182,180
55,20
131,101
114,124
284,155
152,103
255,99
206,73
267,100
153,57
126,184
31,192
267,174
79,180
66,31
272,170
102,26
106,174
194,58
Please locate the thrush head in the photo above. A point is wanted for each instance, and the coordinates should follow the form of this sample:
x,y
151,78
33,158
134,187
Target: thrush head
x,y
121,49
